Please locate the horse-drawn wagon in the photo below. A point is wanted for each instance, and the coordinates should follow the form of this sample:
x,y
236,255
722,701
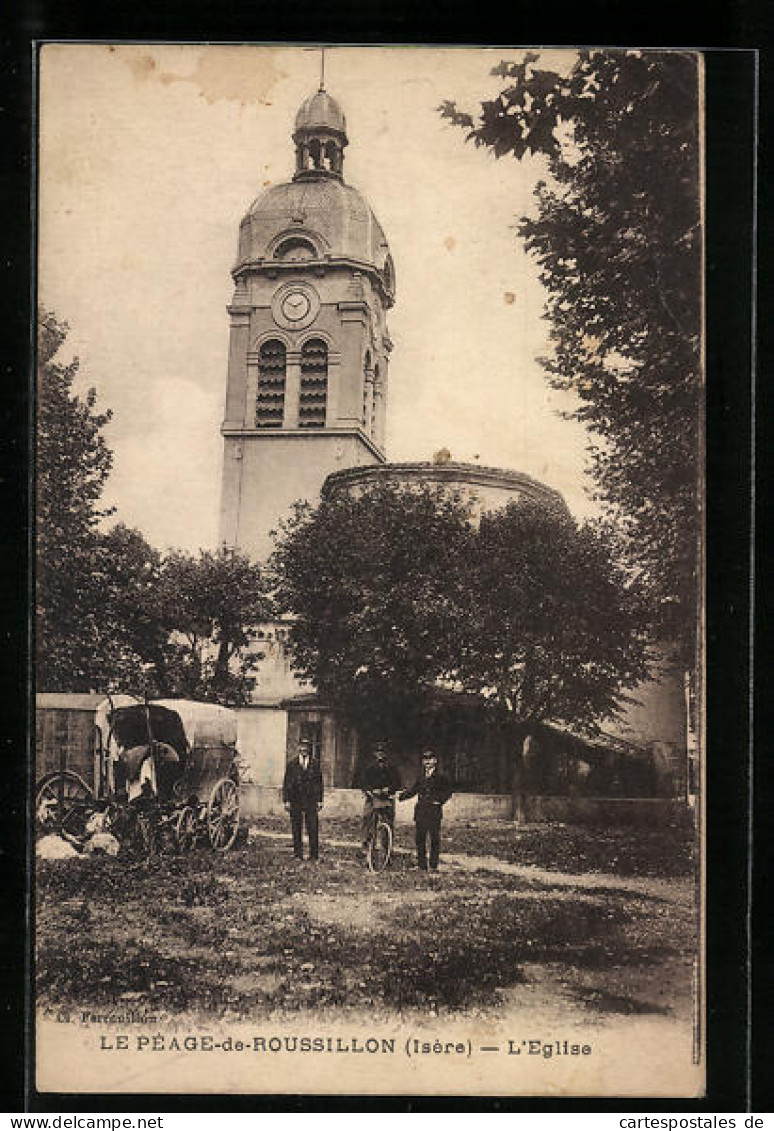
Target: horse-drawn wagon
x,y
167,770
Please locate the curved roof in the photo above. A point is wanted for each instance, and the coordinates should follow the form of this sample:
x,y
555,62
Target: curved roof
x,y
320,111
493,486
331,215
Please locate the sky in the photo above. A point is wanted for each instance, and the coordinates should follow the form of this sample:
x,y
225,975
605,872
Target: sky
x,y
150,156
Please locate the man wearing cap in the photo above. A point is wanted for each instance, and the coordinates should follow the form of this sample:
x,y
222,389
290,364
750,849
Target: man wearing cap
x,y
432,790
302,793
380,782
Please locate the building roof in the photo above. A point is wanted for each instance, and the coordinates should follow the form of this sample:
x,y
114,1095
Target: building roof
x,y
321,112
67,701
334,218
451,474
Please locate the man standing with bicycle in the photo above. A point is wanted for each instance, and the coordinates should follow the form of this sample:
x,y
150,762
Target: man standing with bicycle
x,y
432,790
380,782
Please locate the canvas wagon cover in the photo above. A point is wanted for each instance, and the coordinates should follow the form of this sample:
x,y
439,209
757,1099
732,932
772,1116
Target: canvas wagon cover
x,y
205,724
126,720
179,722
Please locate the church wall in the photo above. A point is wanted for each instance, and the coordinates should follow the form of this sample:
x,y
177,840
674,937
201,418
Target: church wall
x,y
275,678
264,476
347,804
658,720
658,713
261,736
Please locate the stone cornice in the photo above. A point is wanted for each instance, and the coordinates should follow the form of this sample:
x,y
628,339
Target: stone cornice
x,y
233,430
272,268
469,473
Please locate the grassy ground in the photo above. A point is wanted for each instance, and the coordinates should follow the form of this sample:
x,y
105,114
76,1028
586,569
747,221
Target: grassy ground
x,y
254,932
664,851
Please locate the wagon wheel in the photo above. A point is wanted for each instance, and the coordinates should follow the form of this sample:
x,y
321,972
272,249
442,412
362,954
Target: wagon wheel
x,y
223,814
185,829
61,801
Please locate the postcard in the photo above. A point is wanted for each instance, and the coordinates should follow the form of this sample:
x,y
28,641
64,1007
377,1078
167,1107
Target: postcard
x,y
369,712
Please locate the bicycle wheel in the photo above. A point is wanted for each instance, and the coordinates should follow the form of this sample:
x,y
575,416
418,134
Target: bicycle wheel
x,y
380,847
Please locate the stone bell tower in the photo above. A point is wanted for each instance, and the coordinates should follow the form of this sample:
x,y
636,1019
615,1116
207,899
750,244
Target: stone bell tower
x,y
309,348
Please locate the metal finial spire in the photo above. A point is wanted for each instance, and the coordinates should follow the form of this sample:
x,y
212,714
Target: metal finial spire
x,y
322,68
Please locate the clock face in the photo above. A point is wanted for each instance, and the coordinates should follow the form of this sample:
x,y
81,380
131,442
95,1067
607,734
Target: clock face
x,y
296,306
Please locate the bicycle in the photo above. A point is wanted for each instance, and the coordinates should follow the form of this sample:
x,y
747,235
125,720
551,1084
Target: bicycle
x,y
380,837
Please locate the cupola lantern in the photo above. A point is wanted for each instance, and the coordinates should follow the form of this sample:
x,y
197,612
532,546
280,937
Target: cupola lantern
x,y
320,136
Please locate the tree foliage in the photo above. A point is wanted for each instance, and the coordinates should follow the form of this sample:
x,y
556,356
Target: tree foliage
x,y
113,612
374,583
128,633
73,462
209,608
617,235
396,593
174,625
553,631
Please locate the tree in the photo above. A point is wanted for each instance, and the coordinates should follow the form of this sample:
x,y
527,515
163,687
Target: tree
x,y
374,582
555,632
210,608
73,462
396,593
130,636
111,611
618,238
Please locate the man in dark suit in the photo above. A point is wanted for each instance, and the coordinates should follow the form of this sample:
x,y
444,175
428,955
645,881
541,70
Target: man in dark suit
x,y
302,793
432,790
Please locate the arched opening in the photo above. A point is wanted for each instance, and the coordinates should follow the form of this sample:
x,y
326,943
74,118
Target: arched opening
x,y
314,154
314,384
367,389
377,393
295,249
270,394
388,275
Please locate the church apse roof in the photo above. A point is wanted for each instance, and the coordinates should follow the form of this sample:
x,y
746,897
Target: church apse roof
x,y
494,487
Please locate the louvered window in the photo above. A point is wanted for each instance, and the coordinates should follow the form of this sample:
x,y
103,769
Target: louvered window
x,y
270,398
314,384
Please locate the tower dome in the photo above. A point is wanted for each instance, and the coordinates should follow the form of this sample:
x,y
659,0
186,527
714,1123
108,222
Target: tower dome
x,y
320,136
316,217
320,111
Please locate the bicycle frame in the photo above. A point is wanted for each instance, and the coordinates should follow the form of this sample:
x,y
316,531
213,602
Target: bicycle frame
x,y
378,860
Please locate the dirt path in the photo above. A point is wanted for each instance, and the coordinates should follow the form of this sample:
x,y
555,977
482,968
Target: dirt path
x,y
673,891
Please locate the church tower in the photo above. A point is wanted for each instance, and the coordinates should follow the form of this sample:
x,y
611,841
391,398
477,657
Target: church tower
x,y
309,347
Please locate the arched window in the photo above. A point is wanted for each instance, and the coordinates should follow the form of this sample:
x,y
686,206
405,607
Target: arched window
x,y
295,248
367,389
377,393
314,384
388,275
270,396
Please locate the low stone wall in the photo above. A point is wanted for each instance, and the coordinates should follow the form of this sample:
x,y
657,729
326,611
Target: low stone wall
x,y
638,811
266,801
